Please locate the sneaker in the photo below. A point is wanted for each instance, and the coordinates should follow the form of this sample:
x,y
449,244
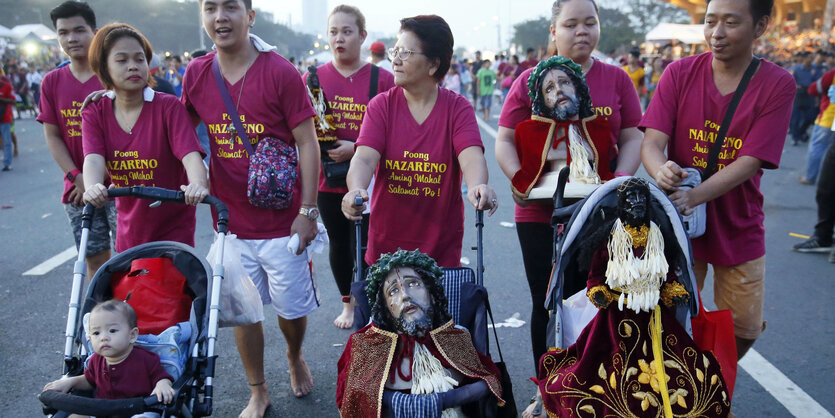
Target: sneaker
x,y
804,180
812,245
7,168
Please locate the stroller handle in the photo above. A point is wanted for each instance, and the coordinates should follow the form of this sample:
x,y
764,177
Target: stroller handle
x,y
88,406
161,195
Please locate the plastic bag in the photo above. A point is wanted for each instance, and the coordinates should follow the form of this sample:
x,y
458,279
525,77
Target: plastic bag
x,y
240,302
578,311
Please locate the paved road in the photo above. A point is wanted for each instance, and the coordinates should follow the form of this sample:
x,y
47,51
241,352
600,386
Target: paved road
x,y
799,341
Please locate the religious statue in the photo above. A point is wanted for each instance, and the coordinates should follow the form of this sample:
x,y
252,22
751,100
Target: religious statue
x,y
634,358
563,131
412,360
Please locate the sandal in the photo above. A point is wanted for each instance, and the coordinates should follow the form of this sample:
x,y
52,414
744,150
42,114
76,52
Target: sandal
x,y
536,401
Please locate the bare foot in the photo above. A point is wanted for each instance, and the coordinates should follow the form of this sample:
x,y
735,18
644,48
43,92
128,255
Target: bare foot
x,y
345,320
259,401
301,381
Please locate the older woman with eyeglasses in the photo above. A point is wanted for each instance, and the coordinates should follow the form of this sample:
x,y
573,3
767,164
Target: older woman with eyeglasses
x,y
419,139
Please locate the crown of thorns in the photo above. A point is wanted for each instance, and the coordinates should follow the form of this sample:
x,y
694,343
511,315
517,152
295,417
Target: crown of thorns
x,y
400,258
555,61
632,182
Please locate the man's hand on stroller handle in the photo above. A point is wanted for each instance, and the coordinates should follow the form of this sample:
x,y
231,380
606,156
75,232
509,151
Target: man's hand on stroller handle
x,y
350,208
483,197
163,391
96,195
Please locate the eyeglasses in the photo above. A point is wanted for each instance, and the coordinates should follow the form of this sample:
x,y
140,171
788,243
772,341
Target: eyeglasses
x,y
401,53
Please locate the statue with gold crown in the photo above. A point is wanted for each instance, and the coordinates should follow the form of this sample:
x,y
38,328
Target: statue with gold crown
x,y
563,131
635,358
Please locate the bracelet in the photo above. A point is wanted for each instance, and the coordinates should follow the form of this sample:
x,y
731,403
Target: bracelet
x,y
622,174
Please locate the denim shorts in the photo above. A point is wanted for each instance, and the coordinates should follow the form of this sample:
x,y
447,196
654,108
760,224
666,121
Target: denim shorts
x,y
485,102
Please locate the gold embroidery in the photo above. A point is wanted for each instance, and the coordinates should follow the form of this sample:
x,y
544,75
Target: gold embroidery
x,y
639,235
670,291
608,294
618,381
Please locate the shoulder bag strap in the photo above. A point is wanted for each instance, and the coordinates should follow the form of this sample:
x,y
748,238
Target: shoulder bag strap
x,y
230,108
375,77
713,157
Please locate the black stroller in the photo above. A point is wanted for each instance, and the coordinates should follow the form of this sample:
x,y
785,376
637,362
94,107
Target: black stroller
x,y
194,386
468,303
571,223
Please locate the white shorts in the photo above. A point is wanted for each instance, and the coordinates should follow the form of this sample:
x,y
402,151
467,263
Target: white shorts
x,y
284,280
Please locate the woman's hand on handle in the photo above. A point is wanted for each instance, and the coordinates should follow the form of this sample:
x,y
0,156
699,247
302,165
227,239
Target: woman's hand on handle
x,y
96,195
194,193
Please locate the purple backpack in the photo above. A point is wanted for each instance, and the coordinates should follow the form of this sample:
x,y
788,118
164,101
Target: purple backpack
x,y
272,167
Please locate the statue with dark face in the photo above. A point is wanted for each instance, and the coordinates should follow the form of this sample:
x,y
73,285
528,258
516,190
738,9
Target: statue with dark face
x,y
401,349
558,90
643,361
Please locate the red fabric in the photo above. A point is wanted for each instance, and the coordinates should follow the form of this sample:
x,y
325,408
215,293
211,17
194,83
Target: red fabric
x,y
821,88
60,104
607,371
134,377
348,100
532,138
366,366
614,99
148,156
7,92
155,289
416,200
273,103
714,331
688,107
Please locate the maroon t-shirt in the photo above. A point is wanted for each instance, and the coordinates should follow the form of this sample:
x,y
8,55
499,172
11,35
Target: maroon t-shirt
x,y
416,202
613,98
688,107
135,377
150,155
348,100
271,100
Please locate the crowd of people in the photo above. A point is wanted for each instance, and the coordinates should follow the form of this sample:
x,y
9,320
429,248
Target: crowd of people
x,y
405,125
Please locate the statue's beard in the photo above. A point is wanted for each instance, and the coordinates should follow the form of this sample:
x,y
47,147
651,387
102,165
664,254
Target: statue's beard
x,y
568,110
635,218
564,112
416,328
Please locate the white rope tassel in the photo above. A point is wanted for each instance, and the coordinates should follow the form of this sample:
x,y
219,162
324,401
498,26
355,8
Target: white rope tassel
x,y
580,170
621,269
429,376
638,279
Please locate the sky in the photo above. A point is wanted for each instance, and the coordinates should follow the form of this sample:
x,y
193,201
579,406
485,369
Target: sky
x,y
475,23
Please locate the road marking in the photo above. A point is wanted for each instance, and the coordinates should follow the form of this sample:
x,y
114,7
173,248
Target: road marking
x,y
486,126
53,262
793,398
792,234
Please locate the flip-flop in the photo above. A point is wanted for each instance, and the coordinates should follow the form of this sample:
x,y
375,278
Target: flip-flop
x,y
537,409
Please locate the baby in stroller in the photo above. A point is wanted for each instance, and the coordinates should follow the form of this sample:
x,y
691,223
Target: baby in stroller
x,y
118,369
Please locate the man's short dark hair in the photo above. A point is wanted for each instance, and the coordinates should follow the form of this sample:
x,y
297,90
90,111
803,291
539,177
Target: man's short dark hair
x,y
73,8
435,38
247,4
177,58
759,8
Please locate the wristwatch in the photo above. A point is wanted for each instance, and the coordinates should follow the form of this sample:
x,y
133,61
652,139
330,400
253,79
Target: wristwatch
x,y
310,213
72,174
